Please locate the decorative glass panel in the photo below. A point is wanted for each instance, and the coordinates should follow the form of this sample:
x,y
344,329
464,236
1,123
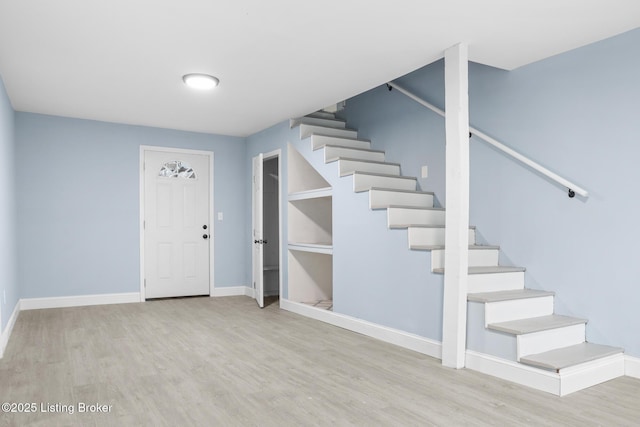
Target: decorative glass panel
x,y
177,169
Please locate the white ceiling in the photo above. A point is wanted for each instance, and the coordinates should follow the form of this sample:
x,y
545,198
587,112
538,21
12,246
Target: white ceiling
x,y
122,60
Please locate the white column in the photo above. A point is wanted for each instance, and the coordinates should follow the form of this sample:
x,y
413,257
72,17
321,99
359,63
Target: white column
x,y
454,326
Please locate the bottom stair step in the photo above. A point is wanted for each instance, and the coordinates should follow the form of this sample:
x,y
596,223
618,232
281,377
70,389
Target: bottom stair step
x,y
570,356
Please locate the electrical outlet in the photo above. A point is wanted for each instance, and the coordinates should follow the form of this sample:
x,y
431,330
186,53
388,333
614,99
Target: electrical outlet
x,y
425,171
220,216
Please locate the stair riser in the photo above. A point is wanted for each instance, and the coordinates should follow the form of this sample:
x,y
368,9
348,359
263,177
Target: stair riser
x,y
315,121
319,141
307,130
379,199
347,167
493,282
477,258
504,311
365,182
539,342
333,153
401,218
431,237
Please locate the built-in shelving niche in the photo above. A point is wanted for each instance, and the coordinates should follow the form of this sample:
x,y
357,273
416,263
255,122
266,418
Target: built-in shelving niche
x,y
310,233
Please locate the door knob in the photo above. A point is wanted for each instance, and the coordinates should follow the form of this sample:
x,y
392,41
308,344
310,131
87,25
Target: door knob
x,y
204,227
256,241
205,236
264,241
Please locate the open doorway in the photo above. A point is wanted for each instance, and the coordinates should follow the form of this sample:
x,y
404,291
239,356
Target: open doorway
x,y
271,231
267,275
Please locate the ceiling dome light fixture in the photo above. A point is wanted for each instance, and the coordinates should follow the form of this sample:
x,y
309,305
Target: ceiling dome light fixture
x,y
200,81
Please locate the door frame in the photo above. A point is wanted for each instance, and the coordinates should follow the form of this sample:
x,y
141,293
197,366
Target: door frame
x,y
209,154
268,156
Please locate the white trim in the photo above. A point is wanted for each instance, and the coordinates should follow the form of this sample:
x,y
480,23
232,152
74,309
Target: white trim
x,y
632,366
78,301
232,291
393,336
569,380
6,334
210,155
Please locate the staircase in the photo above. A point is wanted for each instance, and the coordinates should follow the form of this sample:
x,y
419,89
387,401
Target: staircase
x,y
508,325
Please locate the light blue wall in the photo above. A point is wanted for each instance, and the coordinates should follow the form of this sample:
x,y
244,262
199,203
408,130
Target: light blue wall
x,y
78,204
8,278
577,114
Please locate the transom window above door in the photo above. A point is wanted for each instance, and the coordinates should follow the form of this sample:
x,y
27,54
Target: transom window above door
x,y
177,169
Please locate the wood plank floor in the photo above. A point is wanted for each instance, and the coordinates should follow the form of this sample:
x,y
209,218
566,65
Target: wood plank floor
x,y
225,362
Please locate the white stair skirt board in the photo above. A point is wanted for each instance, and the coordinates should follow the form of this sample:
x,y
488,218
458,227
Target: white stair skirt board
x,y
516,309
425,237
317,121
333,153
566,357
78,301
350,166
479,256
380,198
403,217
393,336
365,181
319,141
567,381
307,130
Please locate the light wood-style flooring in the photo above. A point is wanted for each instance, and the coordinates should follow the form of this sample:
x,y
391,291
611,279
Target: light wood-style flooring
x,y
225,362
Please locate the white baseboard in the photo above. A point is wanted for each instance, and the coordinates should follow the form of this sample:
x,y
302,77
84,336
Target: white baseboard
x,y
393,336
232,291
569,380
78,301
632,366
6,334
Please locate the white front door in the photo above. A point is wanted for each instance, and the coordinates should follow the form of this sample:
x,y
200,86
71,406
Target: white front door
x,y
177,233
258,249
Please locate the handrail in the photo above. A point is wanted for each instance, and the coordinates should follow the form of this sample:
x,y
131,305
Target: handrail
x,y
571,187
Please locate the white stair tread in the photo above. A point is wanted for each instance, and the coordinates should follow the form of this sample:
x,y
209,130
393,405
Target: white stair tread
x,y
440,247
385,175
414,207
318,121
402,191
570,356
535,324
509,295
375,162
322,115
367,150
487,269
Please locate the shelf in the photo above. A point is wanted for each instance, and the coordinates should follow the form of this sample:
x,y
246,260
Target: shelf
x,y
271,268
310,194
317,248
